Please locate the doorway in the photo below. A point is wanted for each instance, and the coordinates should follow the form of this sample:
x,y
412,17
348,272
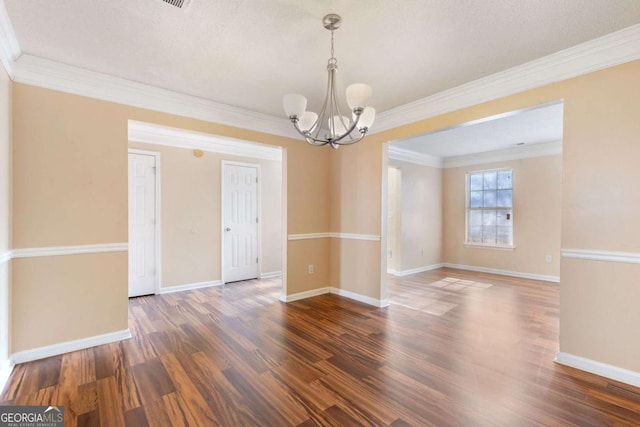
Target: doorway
x,y
143,222
240,221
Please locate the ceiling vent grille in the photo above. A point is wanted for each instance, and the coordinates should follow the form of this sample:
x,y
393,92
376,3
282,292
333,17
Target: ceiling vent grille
x,y
176,3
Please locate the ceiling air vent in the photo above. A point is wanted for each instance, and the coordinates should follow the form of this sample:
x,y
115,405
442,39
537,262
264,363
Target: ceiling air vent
x,y
176,3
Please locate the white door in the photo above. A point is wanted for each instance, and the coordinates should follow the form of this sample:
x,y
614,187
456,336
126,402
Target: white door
x,y
142,224
240,222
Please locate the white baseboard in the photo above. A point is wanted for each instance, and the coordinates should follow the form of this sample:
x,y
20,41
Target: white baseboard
x,y
415,270
337,291
305,294
270,275
360,298
554,279
69,346
604,370
190,286
5,370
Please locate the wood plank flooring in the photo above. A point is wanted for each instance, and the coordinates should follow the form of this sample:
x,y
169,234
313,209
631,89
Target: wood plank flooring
x,y
454,348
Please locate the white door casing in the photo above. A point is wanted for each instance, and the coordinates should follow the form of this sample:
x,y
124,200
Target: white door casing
x,y
240,221
143,268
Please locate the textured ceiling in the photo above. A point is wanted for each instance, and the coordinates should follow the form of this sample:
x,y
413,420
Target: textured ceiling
x,y
248,53
534,126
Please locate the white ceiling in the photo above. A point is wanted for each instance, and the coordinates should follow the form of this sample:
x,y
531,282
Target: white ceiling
x,y
248,53
532,126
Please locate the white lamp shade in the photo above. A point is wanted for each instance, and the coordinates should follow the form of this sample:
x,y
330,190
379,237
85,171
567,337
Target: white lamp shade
x,y
307,120
366,118
294,104
339,127
358,95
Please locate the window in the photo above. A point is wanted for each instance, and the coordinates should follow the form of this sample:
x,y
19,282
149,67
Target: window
x,y
490,208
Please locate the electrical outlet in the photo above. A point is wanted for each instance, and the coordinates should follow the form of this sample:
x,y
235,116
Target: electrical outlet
x,y
311,269
547,258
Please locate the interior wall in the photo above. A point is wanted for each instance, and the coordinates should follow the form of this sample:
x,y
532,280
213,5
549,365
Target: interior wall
x,y
356,204
190,220
536,218
600,205
421,215
5,216
394,210
70,188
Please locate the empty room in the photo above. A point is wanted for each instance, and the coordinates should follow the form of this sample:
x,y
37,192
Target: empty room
x,y
340,213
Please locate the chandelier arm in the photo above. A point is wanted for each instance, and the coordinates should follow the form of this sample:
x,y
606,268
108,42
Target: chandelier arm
x,y
348,132
363,133
307,135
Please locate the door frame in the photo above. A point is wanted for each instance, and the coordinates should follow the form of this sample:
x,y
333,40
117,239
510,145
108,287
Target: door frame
x,y
223,183
158,204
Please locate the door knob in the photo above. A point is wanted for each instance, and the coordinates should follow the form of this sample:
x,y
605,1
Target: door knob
x,y
227,229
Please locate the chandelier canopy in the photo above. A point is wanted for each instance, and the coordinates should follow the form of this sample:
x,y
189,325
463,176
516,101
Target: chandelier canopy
x,y
330,126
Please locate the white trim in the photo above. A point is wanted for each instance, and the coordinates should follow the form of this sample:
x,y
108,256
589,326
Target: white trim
x,y
305,294
597,54
360,298
553,279
5,257
54,75
69,250
598,368
607,51
308,236
158,211
271,275
415,270
505,155
350,236
336,291
9,47
69,346
404,155
493,247
595,255
150,133
5,371
223,183
191,286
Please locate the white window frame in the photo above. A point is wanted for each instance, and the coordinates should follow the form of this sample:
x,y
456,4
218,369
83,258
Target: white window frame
x,y
468,210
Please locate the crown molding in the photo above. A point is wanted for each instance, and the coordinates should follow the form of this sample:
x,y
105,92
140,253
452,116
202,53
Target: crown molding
x,y
35,71
607,51
150,133
515,153
9,47
402,154
597,54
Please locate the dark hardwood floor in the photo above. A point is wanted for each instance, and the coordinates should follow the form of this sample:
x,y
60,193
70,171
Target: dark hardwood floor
x,y
453,348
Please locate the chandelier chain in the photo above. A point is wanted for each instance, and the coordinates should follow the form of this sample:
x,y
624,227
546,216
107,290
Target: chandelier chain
x,y
332,54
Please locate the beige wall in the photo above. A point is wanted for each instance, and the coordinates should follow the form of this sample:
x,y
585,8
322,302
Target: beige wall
x,y
191,229
536,218
394,211
600,203
5,211
70,188
421,215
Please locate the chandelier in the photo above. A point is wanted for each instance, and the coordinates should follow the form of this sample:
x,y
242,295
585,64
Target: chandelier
x,y
330,126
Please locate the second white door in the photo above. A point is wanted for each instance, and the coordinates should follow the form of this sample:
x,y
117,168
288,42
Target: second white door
x,y
240,222
142,224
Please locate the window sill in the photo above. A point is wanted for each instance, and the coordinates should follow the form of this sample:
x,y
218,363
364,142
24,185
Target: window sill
x,y
498,248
